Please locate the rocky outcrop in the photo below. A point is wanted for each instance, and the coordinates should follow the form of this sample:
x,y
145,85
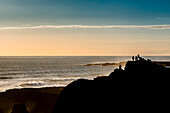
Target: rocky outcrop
x,y
141,87
19,108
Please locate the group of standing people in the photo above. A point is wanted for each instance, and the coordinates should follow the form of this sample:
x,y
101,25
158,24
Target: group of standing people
x,y
136,58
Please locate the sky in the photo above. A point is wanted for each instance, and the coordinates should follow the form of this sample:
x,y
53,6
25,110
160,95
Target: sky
x,y
84,27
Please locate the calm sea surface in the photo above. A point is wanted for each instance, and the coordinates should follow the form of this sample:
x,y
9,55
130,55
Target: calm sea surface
x,y
36,72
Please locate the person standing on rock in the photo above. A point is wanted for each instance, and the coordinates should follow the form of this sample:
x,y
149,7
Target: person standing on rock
x,y
133,58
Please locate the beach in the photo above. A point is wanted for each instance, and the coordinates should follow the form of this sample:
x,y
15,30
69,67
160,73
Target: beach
x,y
37,100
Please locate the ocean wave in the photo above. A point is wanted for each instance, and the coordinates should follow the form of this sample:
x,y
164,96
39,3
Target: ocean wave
x,y
65,79
6,77
33,83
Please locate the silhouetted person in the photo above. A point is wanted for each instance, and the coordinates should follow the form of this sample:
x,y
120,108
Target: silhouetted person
x,y
19,108
120,68
136,58
139,57
133,58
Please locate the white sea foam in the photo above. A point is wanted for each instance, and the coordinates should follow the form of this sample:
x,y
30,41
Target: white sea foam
x,y
33,83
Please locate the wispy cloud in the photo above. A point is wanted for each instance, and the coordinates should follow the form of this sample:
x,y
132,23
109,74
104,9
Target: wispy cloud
x,y
88,27
162,18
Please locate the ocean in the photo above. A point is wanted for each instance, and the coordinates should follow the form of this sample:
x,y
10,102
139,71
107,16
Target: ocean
x,y
55,71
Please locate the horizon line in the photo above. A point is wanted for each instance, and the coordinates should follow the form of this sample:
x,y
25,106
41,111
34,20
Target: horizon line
x,y
73,55
164,26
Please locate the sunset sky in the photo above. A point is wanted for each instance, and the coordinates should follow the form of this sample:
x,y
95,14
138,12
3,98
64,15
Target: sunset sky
x,y
84,27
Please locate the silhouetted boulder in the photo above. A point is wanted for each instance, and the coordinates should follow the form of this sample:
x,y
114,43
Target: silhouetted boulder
x,y
144,67
19,108
142,87
1,111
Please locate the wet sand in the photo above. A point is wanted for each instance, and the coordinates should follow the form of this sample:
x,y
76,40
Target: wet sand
x,y
36,100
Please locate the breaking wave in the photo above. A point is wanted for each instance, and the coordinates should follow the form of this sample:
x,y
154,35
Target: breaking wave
x,y
33,83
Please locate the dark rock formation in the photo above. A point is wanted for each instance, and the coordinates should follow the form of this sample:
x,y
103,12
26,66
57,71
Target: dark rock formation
x,y
19,108
141,87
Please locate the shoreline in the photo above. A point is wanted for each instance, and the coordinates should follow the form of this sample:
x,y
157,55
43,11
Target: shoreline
x,y
35,99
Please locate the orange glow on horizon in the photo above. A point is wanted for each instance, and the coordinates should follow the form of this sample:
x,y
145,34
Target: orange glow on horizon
x,y
77,42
